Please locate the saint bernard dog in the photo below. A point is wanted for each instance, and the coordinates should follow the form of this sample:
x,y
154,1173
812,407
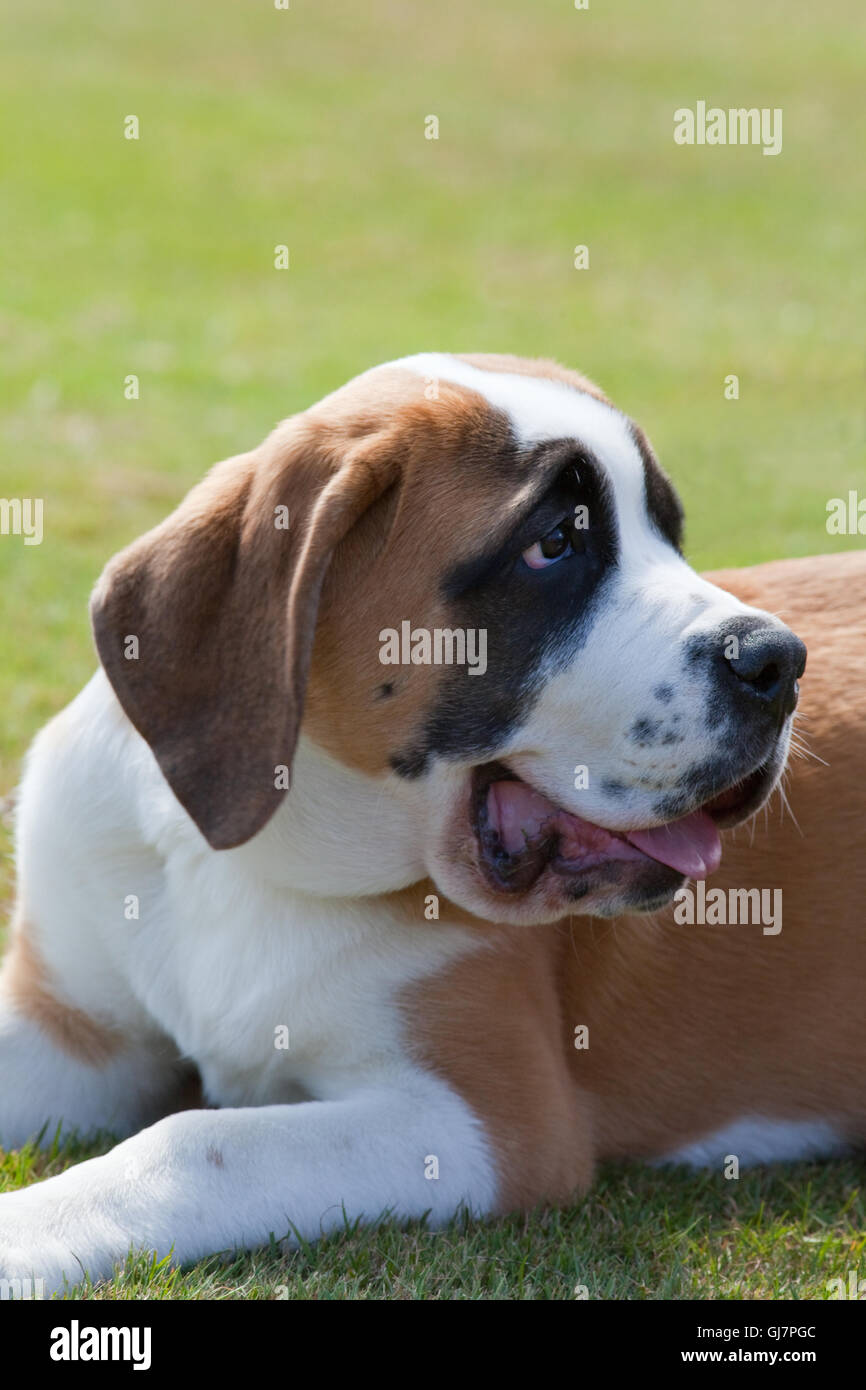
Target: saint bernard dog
x,y
326,932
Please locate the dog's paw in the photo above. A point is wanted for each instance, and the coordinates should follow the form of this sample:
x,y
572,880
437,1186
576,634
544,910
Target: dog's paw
x,y
45,1250
37,1269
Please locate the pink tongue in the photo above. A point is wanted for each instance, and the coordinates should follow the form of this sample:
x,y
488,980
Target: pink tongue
x,y
691,845
523,816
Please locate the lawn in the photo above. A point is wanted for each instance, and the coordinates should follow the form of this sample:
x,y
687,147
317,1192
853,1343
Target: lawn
x,y
305,127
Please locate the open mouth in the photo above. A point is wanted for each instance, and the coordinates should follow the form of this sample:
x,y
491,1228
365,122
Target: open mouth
x,y
521,833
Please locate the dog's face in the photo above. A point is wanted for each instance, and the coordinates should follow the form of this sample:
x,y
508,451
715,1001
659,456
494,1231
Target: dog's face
x,y
508,641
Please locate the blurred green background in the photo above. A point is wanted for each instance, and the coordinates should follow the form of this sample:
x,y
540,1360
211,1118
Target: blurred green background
x,y
306,127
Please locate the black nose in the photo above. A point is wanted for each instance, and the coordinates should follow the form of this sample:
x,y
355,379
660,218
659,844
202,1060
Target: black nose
x,y
768,661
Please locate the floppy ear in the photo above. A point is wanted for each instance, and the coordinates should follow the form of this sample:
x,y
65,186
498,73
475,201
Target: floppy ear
x,y
205,625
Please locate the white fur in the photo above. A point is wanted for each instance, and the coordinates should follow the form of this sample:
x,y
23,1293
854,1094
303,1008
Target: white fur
x,y
759,1140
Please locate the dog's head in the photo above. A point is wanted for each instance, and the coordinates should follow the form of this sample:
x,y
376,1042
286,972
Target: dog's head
x,y
464,576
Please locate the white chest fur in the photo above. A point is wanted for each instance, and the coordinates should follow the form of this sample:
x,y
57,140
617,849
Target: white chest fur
x,y
302,1001
276,991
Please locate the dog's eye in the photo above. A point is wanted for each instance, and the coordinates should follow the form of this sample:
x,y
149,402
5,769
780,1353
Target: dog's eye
x,y
563,540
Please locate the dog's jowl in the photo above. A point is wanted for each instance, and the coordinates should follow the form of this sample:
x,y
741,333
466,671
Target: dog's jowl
x,y
413,651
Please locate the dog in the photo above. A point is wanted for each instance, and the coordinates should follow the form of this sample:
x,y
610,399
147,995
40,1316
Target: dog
x,y
409,919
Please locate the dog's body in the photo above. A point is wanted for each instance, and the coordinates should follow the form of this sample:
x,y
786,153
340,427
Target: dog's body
x,y
330,956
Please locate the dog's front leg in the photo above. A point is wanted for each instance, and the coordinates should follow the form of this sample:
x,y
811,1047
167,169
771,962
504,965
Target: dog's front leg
x,y
203,1181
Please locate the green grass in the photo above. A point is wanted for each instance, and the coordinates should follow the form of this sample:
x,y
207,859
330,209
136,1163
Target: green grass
x,y
306,127
640,1234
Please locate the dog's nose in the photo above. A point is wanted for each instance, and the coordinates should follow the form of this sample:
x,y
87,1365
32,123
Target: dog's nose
x,y
768,662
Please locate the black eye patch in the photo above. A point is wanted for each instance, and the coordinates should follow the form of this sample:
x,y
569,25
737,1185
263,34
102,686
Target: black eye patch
x,y
576,496
529,616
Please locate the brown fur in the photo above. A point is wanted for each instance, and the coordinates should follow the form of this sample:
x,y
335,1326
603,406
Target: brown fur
x,y
450,490
492,1027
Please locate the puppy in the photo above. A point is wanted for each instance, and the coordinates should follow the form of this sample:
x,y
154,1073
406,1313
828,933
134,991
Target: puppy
x,y
401,718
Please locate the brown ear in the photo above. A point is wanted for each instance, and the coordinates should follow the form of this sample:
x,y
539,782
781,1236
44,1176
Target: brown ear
x,y
221,600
